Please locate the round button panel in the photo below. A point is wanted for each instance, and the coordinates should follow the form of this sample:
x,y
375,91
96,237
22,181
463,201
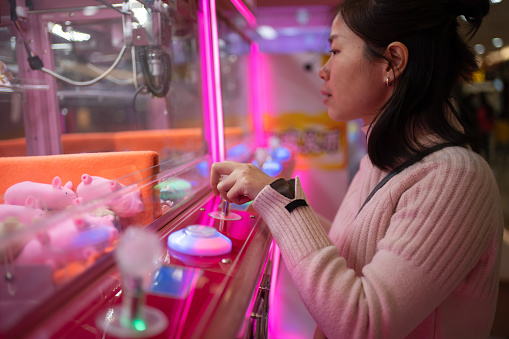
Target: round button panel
x,y
199,240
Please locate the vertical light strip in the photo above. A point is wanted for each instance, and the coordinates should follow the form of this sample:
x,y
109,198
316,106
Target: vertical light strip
x,y
219,151
268,258
273,312
209,109
257,117
246,13
256,95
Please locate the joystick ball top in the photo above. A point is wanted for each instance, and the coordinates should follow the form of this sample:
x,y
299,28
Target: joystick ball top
x,y
139,252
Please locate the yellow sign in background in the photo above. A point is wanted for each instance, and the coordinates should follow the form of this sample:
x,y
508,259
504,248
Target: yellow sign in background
x,y
318,141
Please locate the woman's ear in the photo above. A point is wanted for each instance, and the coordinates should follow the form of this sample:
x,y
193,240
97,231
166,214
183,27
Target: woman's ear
x,y
397,52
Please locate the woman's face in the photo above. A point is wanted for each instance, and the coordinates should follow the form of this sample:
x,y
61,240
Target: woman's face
x,y
353,87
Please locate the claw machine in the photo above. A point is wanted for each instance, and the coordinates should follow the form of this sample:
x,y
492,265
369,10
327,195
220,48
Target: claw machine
x,y
108,227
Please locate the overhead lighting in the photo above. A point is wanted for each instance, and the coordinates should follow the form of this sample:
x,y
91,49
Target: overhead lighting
x,y
498,84
65,46
496,1
479,48
141,14
69,35
497,42
302,16
90,10
267,32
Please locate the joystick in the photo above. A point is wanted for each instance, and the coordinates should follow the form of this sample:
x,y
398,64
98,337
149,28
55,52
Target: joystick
x,y
224,212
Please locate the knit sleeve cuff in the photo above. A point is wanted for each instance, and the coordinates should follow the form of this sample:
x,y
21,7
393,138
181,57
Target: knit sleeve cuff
x,y
297,230
286,188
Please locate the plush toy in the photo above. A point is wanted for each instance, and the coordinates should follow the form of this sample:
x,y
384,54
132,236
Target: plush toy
x,y
128,204
70,240
93,187
46,196
174,189
25,214
90,221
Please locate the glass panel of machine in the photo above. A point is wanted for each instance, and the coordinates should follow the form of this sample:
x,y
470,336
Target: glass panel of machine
x,y
236,88
121,95
11,96
80,77
151,100
62,236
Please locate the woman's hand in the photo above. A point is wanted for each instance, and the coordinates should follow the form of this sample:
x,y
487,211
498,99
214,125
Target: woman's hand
x,y
242,184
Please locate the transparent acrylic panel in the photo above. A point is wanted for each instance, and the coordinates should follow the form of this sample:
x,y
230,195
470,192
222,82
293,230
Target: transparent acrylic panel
x,y
11,119
236,79
70,254
151,100
13,95
61,233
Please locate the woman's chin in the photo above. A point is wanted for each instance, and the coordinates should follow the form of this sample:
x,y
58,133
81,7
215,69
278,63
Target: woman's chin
x,y
336,116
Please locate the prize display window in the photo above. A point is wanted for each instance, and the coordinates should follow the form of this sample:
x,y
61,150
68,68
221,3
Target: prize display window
x,y
108,224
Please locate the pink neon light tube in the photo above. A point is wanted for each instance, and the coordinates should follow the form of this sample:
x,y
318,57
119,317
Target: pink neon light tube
x,y
217,83
212,84
276,255
256,96
213,112
206,66
246,13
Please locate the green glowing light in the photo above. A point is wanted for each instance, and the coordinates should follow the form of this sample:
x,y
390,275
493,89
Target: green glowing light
x,y
139,325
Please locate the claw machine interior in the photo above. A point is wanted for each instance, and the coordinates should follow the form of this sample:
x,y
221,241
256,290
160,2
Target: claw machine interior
x,y
112,115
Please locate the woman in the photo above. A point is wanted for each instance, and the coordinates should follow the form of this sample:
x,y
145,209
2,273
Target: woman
x,y
419,256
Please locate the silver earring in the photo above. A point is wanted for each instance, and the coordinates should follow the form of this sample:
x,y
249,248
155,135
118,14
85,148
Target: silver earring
x,y
387,83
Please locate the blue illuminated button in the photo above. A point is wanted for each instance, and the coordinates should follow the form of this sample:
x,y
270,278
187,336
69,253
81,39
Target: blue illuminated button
x,y
199,240
281,154
239,153
272,168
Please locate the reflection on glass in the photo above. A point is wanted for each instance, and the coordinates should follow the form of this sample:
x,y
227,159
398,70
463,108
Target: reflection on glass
x,y
234,52
11,119
151,100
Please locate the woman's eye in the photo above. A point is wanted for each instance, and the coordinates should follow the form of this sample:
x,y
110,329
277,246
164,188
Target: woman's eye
x,y
333,52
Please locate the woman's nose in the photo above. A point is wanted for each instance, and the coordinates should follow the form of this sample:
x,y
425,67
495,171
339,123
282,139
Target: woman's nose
x,y
323,73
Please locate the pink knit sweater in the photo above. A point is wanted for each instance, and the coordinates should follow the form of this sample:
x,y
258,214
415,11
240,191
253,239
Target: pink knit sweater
x,y
421,260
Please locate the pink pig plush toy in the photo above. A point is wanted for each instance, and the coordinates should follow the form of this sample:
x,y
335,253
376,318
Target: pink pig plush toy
x,y
69,240
25,214
93,187
46,196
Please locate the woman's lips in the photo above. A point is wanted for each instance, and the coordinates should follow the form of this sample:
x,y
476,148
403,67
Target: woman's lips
x,y
326,97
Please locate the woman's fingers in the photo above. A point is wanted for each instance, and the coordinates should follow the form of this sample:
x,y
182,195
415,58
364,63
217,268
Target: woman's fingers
x,y
217,170
242,184
246,180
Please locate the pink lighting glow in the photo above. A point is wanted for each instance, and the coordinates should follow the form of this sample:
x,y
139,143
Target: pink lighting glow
x,y
270,254
187,305
220,150
276,255
246,13
206,66
213,111
288,317
256,95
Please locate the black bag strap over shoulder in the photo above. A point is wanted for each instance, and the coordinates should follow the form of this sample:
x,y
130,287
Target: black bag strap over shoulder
x,y
403,166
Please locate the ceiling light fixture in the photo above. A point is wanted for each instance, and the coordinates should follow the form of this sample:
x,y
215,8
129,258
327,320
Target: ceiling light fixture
x,y
497,42
267,32
479,48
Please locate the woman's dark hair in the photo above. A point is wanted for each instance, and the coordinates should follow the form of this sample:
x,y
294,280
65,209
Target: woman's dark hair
x,y
438,59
